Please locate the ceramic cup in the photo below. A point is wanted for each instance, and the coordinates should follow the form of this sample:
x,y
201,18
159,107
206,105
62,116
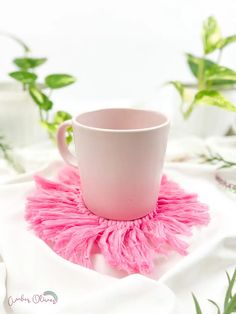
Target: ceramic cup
x,y
120,155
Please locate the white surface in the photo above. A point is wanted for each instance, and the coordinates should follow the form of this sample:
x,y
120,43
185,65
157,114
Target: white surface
x,y
30,266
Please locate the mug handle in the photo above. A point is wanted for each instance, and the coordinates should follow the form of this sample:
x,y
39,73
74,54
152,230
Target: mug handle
x,y
62,145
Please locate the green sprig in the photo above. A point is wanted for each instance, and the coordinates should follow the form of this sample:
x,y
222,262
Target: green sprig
x,y
216,159
41,94
229,300
7,154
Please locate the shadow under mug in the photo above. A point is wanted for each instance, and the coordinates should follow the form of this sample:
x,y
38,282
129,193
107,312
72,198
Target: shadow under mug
x,y
120,155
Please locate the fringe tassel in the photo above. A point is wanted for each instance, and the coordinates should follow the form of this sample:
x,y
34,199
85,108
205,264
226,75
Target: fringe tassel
x,y
58,216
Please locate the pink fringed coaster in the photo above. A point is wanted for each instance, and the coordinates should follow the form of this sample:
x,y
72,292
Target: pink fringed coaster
x,y
57,214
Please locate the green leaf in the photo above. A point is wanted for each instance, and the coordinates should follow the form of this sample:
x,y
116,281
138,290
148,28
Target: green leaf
x,y
220,74
213,98
51,127
229,280
197,306
216,305
211,35
222,84
29,63
40,98
69,137
179,87
194,64
61,116
226,41
24,76
231,306
59,80
228,294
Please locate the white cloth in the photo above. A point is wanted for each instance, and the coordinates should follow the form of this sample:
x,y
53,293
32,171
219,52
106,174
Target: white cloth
x,y
28,266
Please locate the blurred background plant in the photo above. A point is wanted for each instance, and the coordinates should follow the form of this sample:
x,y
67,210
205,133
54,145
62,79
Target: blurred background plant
x,y
19,119
229,300
41,92
211,77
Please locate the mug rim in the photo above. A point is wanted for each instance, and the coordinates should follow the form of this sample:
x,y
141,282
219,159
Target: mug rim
x,y
159,126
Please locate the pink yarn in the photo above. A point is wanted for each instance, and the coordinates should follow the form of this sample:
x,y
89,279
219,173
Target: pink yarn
x,y
57,214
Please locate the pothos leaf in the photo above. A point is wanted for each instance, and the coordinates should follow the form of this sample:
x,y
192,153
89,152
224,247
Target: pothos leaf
x,y
61,116
220,74
213,98
40,98
29,63
211,35
197,306
194,63
210,98
24,76
226,41
52,128
229,280
59,80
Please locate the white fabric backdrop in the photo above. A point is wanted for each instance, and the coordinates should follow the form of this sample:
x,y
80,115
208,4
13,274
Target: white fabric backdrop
x,y
28,266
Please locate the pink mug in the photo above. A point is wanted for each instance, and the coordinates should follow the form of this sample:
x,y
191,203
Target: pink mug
x,y
120,155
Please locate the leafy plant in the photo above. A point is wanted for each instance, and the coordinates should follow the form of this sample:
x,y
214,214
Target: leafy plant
x,y
229,300
6,152
41,93
211,77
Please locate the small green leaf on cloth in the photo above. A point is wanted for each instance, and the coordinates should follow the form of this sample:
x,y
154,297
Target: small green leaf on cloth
x,y
197,306
228,294
216,305
231,306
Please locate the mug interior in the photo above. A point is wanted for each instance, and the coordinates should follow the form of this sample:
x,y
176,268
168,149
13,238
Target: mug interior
x,y
122,119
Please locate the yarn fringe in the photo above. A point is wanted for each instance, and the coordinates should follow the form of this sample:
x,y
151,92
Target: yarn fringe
x,y
57,214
